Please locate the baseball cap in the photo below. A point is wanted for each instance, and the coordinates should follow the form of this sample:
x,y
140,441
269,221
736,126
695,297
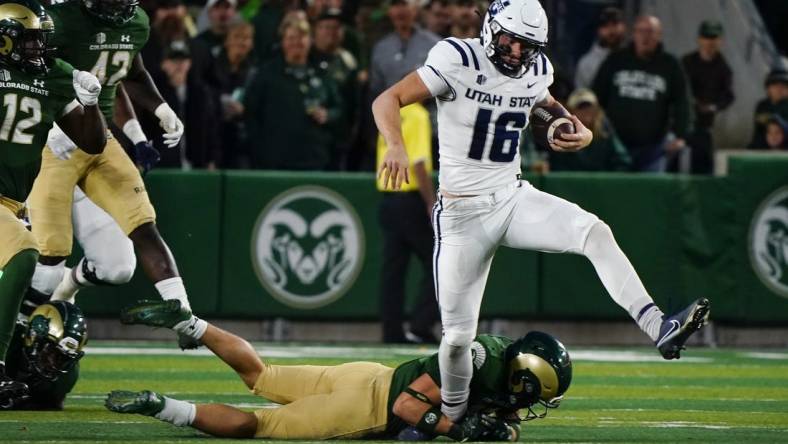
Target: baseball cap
x,y
330,14
178,49
610,15
777,75
581,96
710,29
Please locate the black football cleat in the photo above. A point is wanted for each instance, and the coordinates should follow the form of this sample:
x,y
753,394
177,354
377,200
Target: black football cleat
x,y
677,328
12,393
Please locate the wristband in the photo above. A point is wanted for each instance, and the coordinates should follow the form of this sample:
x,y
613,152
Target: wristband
x,y
133,131
162,111
429,421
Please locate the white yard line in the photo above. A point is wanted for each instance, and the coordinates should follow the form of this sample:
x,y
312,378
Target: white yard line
x,y
343,352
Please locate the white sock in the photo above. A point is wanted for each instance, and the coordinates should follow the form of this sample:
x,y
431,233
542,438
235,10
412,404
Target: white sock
x,y
67,289
179,413
193,327
455,384
649,318
621,280
47,277
173,288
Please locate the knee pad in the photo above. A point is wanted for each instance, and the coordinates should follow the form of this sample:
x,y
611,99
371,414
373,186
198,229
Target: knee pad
x,y
113,270
458,339
598,236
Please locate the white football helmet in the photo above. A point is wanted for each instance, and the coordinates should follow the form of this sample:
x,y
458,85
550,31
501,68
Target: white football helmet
x,y
522,20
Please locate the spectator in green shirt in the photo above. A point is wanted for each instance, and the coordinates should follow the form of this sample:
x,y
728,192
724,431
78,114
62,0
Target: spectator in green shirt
x,y
644,91
292,108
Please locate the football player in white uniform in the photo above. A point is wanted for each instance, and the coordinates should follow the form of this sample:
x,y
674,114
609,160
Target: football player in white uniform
x,y
486,89
109,254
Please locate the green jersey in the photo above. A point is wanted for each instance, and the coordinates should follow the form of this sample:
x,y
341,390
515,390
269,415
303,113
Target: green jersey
x,y
488,382
104,50
30,105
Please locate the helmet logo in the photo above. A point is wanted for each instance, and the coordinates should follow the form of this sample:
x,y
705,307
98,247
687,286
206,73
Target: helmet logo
x,y
768,242
496,7
8,45
431,418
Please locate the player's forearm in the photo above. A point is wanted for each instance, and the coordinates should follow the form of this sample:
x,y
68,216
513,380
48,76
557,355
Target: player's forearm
x,y
412,411
385,109
124,110
141,87
88,130
144,92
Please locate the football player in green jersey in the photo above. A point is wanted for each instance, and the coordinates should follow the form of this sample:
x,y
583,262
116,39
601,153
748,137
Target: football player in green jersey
x,y
360,400
105,37
36,91
45,352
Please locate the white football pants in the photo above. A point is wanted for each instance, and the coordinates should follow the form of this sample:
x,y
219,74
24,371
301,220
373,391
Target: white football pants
x,y
106,247
467,232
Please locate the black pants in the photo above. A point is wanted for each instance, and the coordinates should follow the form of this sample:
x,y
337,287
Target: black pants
x,y
406,231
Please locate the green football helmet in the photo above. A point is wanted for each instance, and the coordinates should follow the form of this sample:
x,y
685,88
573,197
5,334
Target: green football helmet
x,y
55,336
25,28
112,12
540,372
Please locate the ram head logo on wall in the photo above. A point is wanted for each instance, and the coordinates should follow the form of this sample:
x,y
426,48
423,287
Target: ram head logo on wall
x,y
307,247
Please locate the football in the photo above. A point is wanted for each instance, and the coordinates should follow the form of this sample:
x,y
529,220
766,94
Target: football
x,y
549,123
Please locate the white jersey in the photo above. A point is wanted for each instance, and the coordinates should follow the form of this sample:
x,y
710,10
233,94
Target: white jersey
x,y
481,114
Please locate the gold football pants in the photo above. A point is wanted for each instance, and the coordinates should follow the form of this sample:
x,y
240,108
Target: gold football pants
x,y
110,180
14,237
323,402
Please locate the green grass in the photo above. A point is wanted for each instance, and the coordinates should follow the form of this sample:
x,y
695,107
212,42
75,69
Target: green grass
x,y
720,396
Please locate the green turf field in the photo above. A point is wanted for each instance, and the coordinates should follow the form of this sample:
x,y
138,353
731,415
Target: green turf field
x,y
621,395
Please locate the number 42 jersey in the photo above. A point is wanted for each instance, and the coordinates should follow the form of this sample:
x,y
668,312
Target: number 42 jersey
x,y
481,114
104,50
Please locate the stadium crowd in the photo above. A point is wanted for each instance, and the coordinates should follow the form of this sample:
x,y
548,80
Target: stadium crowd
x,y
281,84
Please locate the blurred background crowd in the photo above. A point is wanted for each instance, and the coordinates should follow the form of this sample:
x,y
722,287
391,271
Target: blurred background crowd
x,y
287,84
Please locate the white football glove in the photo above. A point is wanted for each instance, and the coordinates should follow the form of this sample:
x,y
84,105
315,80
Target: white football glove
x,y
60,144
87,87
170,123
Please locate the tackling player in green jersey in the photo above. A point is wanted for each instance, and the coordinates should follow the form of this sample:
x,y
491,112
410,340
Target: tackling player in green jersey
x,y
105,37
45,351
35,92
359,400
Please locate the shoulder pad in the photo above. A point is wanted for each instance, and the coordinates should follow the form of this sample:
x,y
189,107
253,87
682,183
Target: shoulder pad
x,y
459,52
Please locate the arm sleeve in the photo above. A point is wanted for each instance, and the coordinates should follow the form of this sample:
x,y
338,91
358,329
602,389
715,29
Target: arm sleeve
x,y
439,70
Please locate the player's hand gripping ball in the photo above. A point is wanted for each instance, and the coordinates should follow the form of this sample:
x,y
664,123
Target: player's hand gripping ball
x,y
549,123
